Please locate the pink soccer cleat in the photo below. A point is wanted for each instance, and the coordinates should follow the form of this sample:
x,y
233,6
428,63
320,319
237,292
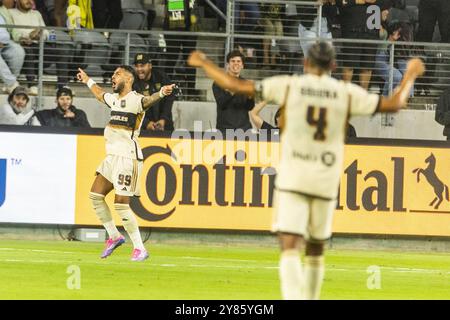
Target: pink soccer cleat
x,y
139,255
111,245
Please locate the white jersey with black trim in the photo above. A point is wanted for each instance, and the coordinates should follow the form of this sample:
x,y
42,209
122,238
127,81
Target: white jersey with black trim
x,y
312,141
123,128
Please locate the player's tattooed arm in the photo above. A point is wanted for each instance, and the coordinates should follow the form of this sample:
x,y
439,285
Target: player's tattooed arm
x,y
148,101
95,89
198,59
399,99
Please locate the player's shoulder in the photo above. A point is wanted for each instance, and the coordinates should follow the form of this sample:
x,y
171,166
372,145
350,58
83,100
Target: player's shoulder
x,y
136,94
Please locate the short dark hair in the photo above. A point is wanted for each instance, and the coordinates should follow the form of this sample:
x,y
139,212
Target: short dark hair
x,y
64,91
321,54
130,70
235,53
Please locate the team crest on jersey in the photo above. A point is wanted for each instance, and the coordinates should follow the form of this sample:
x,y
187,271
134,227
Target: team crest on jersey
x,y
123,103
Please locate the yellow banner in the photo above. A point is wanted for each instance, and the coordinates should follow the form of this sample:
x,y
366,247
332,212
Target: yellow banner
x,y
205,184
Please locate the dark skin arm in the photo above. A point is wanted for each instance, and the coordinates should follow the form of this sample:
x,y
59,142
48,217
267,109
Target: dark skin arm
x,y
147,101
399,99
198,59
393,103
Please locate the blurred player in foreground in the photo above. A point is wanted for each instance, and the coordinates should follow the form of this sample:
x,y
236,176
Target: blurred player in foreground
x,y
123,163
315,116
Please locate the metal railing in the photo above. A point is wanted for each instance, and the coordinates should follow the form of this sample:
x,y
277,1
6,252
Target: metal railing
x,y
274,35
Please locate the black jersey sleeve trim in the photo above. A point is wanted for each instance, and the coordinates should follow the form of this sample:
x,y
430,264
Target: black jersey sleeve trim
x,y
104,100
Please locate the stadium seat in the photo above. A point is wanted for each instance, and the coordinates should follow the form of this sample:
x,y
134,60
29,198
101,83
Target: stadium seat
x,y
118,42
63,43
133,20
92,49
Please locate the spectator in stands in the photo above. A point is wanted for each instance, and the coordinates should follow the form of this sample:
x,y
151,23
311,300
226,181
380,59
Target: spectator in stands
x,y
259,122
309,24
65,114
430,12
11,53
85,12
24,14
159,116
17,111
248,16
233,109
179,47
354,25
59,12
222,6
271,20
394,32
107,13
442,115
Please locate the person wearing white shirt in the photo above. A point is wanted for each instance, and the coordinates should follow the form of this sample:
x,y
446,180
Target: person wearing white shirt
x,y
11,54
17,110
25,15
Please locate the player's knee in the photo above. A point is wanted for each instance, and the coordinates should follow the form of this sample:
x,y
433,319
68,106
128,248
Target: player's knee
x,y
290,242
315,248
97,199
122,199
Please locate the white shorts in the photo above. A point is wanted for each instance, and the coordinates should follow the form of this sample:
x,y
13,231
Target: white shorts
x,y
303,215
123,173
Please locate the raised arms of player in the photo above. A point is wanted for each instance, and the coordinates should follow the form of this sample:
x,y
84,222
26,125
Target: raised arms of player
x,y
148,101
199,60
399,98
95,89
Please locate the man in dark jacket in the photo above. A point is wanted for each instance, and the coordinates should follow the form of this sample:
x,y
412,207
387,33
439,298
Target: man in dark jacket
x,y
232,109
159,116
357,22
443,112
180,17
65,114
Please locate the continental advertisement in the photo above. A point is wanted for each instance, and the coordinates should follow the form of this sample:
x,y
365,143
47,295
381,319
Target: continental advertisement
x,y
215,184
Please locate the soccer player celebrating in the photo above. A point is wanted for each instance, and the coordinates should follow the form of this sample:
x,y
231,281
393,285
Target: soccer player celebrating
x,y
312,142
121,168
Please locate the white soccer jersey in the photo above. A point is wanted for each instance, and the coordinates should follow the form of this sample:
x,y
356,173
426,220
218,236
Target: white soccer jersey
x,y
312,141
124,126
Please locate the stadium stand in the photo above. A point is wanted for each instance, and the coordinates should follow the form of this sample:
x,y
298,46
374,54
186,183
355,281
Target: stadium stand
x,y
99,51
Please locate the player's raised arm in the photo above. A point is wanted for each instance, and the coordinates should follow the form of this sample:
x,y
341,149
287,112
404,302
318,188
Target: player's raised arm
x,y
148,101
399,99
95,89
254,114
198,59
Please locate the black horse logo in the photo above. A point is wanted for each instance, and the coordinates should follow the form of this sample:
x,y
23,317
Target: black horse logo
x,y
438,186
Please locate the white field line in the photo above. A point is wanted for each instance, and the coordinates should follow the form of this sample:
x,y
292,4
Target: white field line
x,y
216,259
106,263
34,250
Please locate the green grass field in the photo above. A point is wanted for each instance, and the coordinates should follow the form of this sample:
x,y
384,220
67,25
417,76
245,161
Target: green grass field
x,y
39,270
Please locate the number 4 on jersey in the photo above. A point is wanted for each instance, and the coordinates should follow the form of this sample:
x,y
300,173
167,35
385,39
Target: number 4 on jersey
x,y
317,117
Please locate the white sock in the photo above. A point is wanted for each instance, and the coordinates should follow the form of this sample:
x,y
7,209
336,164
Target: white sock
x,y
291,276
314,273
130,224
103,214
